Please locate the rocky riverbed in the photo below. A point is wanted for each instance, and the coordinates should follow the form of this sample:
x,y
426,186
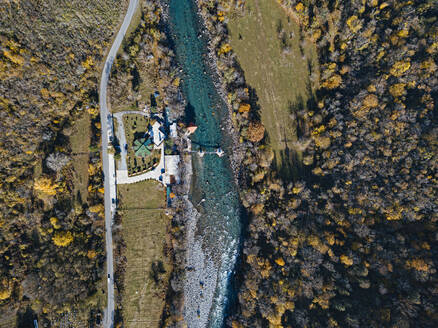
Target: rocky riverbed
x,y
212,208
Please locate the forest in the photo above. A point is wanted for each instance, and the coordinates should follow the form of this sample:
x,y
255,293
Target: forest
x,y
350,240
51,235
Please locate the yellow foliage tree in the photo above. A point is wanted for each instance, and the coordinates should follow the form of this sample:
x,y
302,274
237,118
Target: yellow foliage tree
x,y
46,186
236,324
5,289
91,254
371,101
93,111
316,243
225,48
176,81
256,131
280,261
15,58
404,33
400,67
354,23
394,214
332,82
244,108
299,7
55,223
62,238
98,208
323,300
418,264
346,260
88,63
397,90
322,142
45,93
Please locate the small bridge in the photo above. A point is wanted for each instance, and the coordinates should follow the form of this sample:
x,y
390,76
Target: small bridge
x,y
219,152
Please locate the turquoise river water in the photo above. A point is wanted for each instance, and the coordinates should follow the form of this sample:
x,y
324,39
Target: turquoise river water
x,y
216,228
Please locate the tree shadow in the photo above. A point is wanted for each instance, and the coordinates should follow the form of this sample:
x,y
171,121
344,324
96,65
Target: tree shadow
x,y
189,114
288,165
288,162
254,113
25,319
136,80
153,100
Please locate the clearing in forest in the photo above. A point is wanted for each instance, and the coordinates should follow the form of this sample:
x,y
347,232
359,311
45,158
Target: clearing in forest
x,y
80,142
277,65
142,153
144,226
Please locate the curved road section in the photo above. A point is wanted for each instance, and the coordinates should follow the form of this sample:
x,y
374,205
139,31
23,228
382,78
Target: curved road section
x,y
108,161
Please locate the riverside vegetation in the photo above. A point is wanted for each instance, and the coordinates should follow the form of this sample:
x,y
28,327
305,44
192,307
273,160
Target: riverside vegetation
x,y
51,219
349,240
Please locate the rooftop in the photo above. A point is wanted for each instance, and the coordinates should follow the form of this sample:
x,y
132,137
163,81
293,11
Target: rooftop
x,y
143,147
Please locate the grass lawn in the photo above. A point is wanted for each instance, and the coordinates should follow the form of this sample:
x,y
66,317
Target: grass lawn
x,y
8,319
80,141
144,231
133,124
280,78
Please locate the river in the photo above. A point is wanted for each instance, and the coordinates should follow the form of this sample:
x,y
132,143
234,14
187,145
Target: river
x,y
215,229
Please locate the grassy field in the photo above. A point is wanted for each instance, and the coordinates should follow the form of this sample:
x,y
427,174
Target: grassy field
x,y
276,65
80,141
144,231
8,320
128,100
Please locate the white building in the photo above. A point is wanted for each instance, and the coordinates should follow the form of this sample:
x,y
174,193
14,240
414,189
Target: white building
x,y
172,130
158,135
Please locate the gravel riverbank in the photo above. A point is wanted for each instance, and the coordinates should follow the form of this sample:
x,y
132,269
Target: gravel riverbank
x,y
208,208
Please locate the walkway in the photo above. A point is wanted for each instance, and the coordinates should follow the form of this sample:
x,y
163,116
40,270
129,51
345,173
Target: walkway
x,y
122,172
123,178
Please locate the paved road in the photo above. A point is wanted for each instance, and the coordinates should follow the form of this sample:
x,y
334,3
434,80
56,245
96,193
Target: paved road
x,y
108,161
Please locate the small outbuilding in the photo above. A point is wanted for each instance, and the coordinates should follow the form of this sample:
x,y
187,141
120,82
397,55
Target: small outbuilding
x,y
172,130
191,129
171,175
